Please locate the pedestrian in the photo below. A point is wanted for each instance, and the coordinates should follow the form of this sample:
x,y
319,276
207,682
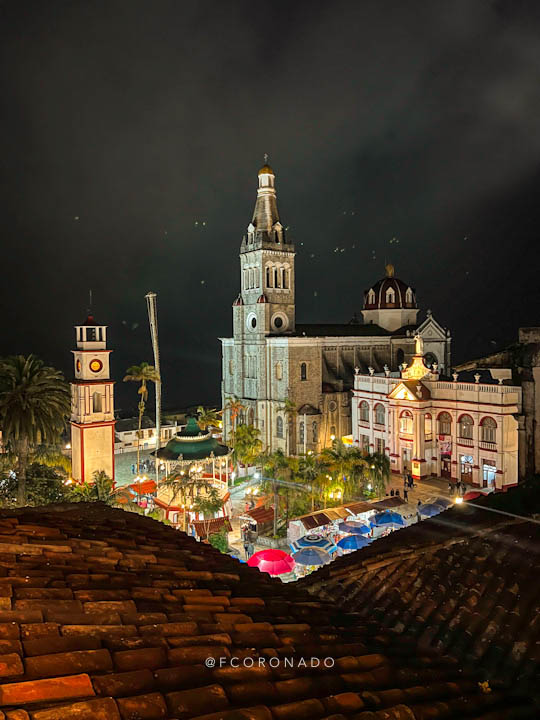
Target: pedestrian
x,y
463,488
405,494
250,549
133,469
397,493
392,492
411,481
246,506
458,487
449,487
405,480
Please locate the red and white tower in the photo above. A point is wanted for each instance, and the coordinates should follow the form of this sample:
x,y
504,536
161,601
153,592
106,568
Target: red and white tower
x,y
92,404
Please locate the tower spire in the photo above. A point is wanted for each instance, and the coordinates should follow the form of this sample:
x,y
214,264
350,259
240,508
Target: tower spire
x,y
265,214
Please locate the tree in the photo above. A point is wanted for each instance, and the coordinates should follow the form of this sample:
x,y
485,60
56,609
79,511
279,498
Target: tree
x,y
311,470
143,374
207,417
276,465
186,486
247,444
100,490
289,409
235,407
34,405
44,486
380,472
208,505
220,540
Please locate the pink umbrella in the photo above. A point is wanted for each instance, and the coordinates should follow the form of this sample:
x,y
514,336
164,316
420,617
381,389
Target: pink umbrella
x,y
274,562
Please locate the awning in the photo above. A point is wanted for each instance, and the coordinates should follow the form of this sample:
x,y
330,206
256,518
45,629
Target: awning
x,y
214,525
148,487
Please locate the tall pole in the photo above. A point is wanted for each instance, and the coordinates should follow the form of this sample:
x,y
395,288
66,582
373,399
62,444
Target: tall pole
x,y
152,319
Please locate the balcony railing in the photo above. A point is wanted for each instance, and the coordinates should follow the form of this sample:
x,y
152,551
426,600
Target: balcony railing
x,y
484,445
468,442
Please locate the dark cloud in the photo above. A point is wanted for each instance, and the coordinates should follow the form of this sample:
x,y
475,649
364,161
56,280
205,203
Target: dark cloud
x,y
128,125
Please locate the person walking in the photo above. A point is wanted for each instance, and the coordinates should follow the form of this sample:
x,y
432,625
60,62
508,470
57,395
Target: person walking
x,y
405,494
250,549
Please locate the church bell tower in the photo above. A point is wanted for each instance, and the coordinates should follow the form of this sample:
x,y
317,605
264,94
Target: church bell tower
x,y
92,404
265,305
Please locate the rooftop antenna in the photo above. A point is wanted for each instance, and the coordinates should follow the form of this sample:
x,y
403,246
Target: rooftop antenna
x,y
151,305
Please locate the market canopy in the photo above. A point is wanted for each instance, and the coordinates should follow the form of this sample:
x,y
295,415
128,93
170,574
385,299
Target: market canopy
x,y
313,541
430,509
354,528
387,518
353,542
312,556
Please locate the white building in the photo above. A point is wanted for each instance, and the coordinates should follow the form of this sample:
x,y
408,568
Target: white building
x,y
126,434
458,429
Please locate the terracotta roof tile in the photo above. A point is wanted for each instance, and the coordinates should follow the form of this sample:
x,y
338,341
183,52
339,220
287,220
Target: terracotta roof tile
x,y
120,627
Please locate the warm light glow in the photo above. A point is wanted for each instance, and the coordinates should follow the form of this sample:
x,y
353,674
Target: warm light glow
x,y
257,475
68,446
458,500
332,438
310,452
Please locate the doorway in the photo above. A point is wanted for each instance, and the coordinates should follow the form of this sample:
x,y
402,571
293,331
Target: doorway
x,y
406,459
466,469
446,467
488,475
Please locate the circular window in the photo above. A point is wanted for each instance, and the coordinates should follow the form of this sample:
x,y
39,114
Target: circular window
x,y
332,406
78,366
251,321
280,322
96,365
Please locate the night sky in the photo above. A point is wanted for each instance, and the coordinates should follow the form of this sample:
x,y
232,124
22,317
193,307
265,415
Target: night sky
x,y
132,133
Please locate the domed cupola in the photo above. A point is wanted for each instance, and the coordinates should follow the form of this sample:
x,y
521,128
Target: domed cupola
x,y
390,303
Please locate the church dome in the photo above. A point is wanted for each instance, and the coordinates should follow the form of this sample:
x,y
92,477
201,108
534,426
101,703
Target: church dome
x,y
266,170
390,293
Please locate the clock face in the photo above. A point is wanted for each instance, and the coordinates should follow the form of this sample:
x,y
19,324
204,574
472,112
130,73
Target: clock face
x,y
78,366
95,365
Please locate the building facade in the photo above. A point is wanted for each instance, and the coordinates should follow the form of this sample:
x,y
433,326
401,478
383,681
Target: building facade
x,y
463,428
271,358
521,363
92,404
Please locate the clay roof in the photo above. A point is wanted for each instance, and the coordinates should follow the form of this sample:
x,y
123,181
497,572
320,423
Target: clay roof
x,y
459,583
202,527
107,615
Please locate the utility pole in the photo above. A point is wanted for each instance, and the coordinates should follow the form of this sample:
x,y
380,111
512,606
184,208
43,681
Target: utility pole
x,y
152,319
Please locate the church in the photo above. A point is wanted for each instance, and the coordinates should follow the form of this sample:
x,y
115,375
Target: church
x,y
272,359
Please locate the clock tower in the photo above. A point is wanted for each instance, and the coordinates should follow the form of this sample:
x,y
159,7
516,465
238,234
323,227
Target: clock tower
x,y
92,404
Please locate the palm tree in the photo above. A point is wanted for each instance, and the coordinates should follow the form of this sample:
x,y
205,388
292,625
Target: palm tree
x,y
311,469
207,417
100,490
143,373
290,411
208,505
186,486
235,407
278,467
379,469
34,405
247,444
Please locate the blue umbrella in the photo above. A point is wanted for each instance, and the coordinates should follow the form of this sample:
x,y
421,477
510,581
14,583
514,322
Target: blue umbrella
x,y
442,502
387,518
430,509
353,542
312,556
354,528
313,541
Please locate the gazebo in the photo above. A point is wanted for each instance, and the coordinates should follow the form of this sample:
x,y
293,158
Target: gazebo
x,y
195,453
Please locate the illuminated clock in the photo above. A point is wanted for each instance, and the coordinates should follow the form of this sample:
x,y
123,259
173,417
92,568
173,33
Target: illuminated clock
x,y
78,366
96,365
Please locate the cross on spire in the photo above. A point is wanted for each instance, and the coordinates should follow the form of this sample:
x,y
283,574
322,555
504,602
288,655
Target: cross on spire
x,y
266,158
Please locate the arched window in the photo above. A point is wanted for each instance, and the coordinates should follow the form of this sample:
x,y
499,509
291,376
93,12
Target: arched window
x,y
303,371
390,295
379,414
406,423
301,431
285,278
445,424
371,297
279,371
409,296
429,359
279,426
489,430
315,433
466,427
251,279
364,411
257,284
245,279
268,277
96,403
276,277
400,357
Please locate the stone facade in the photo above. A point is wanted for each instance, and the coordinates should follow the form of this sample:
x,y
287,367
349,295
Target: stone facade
x,y
271,358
